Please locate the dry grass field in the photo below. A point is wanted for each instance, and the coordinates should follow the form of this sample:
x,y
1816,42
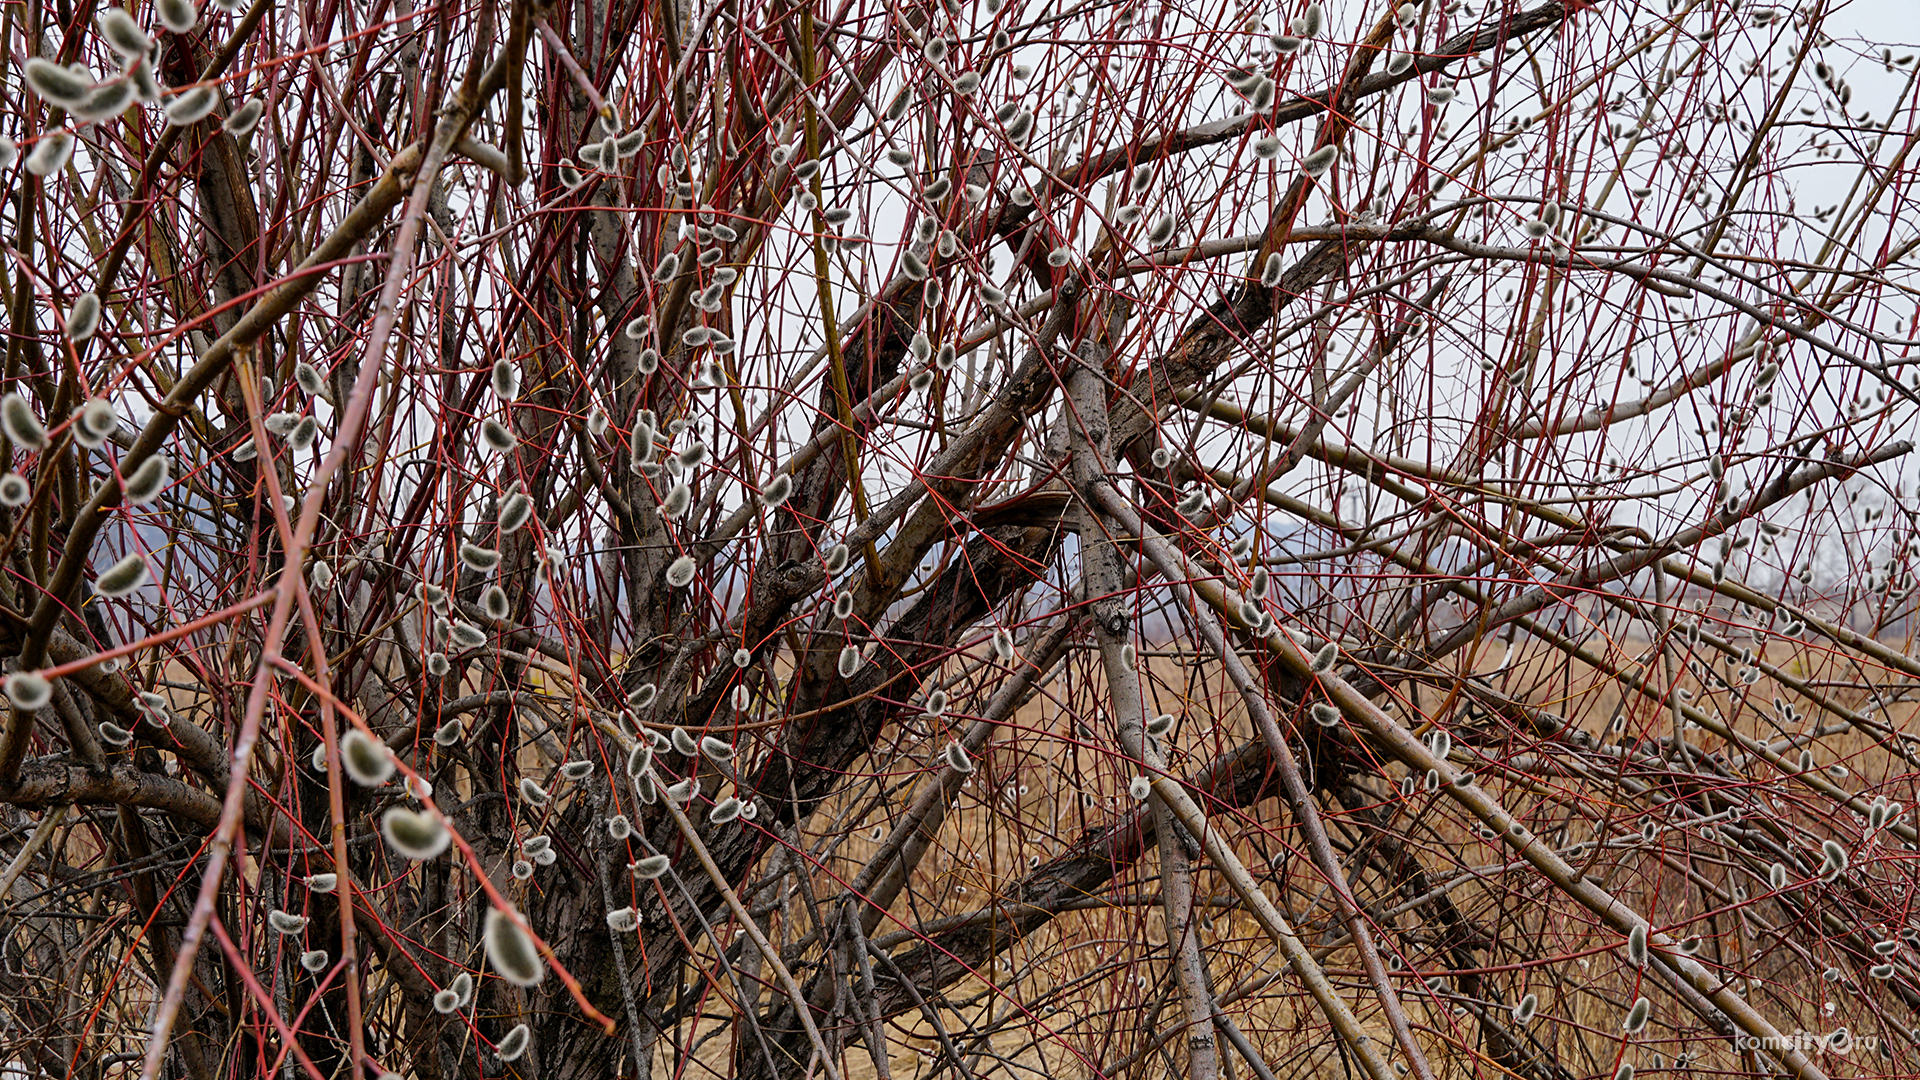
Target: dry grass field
x,y
1090,994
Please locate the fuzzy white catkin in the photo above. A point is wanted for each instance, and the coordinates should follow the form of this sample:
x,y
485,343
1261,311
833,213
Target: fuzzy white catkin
x,y
680,572
147,481
28,690
51,153
514,1043
510,951
122,577
415,834
957,759
21,425
365,759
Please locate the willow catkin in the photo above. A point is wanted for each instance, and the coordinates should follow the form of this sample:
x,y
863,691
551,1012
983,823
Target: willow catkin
x,y
1316,164
511,951
478,559
20,423
121,577
1323,660
241,121
957,759
495,604
59,85
50,153
285,922
414,834
495,436
28,690
365,758
83,318
514,1043
191,106
1636,1019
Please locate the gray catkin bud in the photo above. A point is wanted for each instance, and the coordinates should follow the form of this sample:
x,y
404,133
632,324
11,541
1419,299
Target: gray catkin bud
x,y
1316,164
1637,945
837,558
506,380
495,603
515,510
83,318
51,153
1835,857
479,559
1637,1016
514,1043
365,758
957,759
241,121
849,662
414,834
1523,1012
191,106
680,572
122,577
177,15
495,436
28,690
59,85
1324,659
20,424
650,867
